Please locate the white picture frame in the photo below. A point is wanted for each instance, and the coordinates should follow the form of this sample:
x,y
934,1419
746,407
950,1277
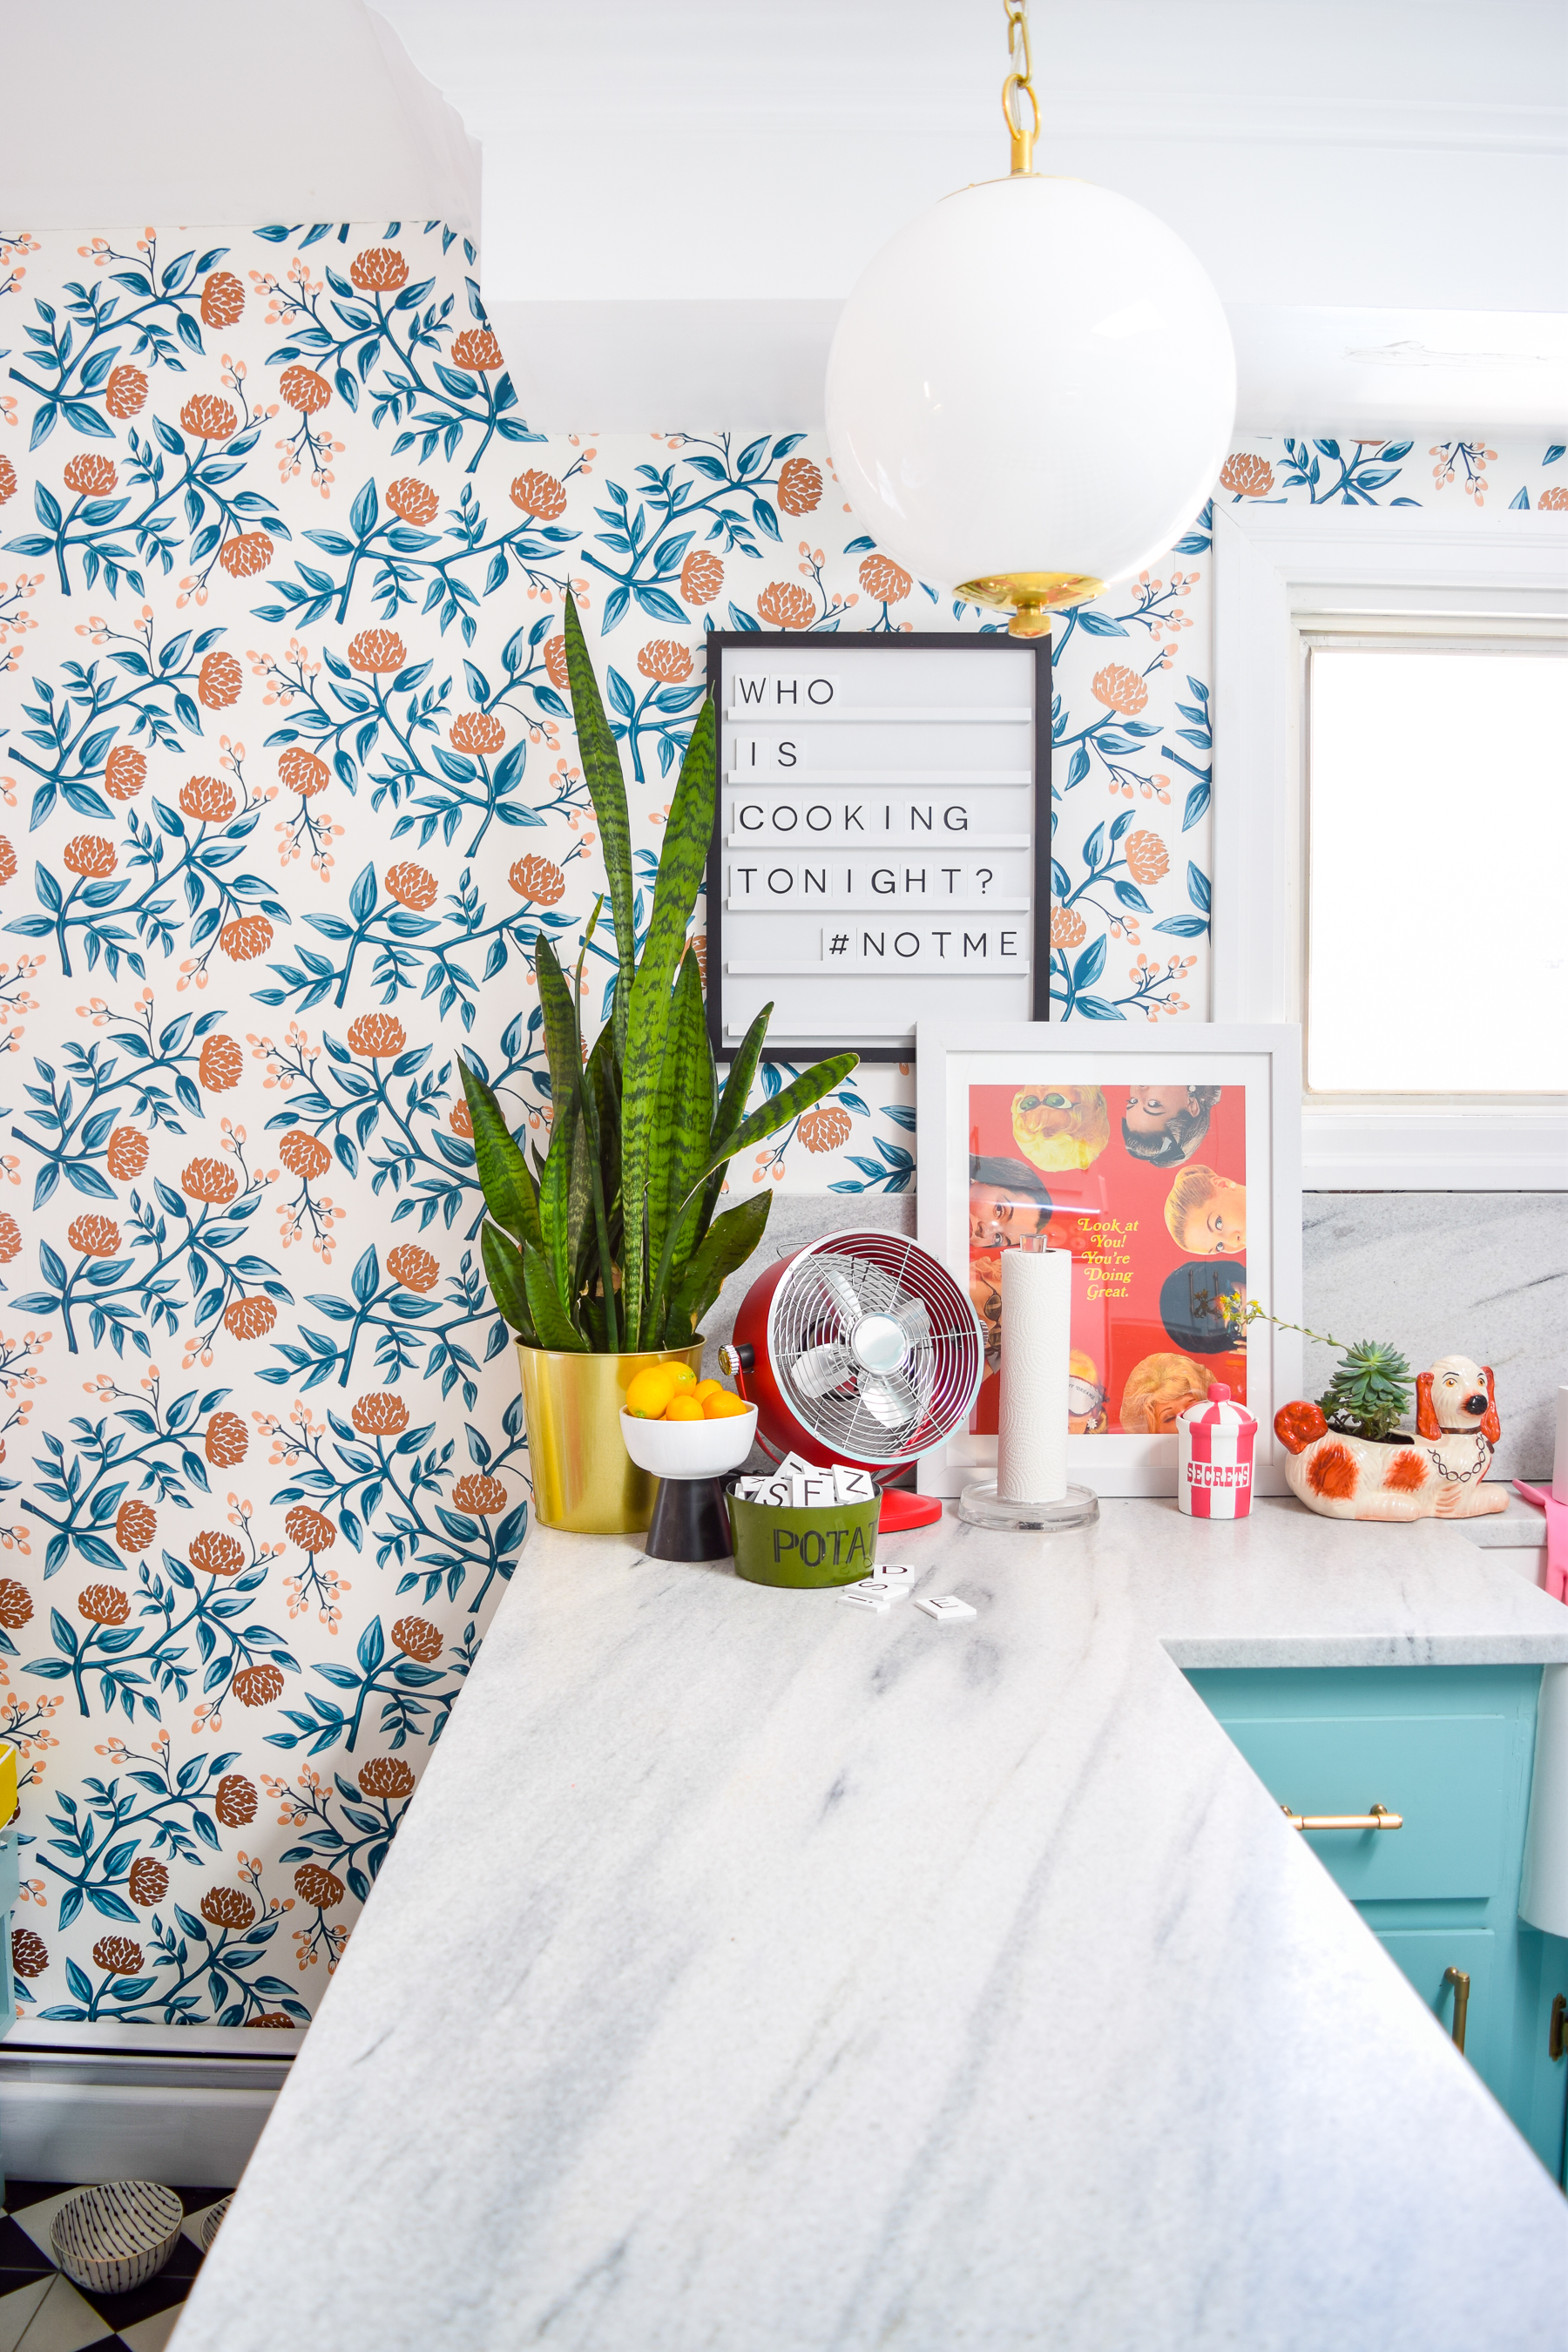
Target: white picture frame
x,y
1263,1059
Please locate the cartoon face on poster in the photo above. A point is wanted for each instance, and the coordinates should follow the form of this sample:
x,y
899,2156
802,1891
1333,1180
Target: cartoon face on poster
x,y
1145,1185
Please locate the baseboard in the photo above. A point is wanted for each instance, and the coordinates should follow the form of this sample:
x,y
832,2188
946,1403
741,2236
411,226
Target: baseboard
x,y
65,2117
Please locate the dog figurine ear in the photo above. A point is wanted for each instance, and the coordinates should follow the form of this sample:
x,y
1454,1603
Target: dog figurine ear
x,y
1491,1427
1426,1422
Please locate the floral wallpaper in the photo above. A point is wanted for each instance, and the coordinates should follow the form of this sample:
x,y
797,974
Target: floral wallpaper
x,y
290,785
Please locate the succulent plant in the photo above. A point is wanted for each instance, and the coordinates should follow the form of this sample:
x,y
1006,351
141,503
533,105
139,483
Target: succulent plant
x,y
1370,1393
611,1243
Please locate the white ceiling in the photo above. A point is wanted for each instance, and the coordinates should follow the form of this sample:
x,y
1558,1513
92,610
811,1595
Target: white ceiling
x,y
1405,161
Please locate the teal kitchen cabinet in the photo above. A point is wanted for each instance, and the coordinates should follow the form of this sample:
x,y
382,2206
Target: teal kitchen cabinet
x,y
1448,1748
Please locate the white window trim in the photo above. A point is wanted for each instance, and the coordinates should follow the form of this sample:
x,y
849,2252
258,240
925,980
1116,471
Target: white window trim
x,y
1276,570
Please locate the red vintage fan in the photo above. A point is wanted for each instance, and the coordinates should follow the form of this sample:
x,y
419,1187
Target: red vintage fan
x,y
862,1349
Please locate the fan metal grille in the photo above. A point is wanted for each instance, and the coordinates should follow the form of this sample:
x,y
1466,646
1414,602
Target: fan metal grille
x,y
822,1295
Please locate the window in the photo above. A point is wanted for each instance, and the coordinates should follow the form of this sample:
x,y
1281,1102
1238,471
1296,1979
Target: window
x,y
1436,822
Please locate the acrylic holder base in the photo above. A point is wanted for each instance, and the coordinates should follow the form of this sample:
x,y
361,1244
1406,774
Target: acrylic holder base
x,y
689,1521
982,1506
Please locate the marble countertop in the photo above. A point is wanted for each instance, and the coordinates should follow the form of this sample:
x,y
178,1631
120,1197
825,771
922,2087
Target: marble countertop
x,y
755,1974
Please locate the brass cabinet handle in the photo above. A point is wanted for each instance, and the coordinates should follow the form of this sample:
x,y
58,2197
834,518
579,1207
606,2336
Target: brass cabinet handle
x,y
1459,1979
1379,1818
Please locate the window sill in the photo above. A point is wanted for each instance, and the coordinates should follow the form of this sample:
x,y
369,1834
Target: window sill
x,y
1435,1148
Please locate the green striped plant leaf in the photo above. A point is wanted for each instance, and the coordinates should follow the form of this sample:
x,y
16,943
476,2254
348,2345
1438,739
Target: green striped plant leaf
x,y
504,1178
683,1115
607,791
503,1272
728,1244
551,1320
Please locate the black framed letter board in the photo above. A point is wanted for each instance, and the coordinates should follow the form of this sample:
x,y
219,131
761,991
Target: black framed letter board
x,y
881,844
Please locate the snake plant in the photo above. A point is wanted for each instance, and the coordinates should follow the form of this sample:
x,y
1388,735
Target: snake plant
x,y
610,1244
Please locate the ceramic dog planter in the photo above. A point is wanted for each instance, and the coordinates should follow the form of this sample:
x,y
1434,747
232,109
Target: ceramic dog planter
x,y
1436,1474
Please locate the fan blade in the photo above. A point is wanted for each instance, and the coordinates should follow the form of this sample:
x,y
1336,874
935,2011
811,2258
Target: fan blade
x,y
889,1398
821,1369
835,1281
916,1322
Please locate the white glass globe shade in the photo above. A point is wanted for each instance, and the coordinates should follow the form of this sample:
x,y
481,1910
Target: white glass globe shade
x,y
1036,377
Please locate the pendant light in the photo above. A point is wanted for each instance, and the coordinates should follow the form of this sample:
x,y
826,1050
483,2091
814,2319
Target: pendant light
x,y
1032,387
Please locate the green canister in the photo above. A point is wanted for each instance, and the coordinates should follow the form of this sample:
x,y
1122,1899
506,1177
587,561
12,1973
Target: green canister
x,y
832,1544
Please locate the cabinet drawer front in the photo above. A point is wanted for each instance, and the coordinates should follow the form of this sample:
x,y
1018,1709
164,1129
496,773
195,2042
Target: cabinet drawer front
x,y
1450,1777
1424,1955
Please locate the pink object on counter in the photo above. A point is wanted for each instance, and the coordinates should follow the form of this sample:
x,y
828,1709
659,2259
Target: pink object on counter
x,y
1556,1535
1214,1446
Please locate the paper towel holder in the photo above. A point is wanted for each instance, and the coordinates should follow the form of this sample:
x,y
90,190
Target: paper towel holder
x,y
983,1506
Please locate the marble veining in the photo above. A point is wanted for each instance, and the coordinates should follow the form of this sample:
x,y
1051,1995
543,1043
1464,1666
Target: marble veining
x,y
754,1975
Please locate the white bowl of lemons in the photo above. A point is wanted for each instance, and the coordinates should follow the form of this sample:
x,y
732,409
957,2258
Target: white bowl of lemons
x,y
677,1426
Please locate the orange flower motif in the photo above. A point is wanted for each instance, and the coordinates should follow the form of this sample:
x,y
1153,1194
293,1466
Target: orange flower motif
x,y
1553,501
124,773
302,773
382,1414
212,1553
148,1883
209,1180
104,1604
7,480
309,1529
218,681
246,938
117,1955
783,605
90,476
303,388
16,1603
414,1267
322,1887
460,1119
482,1496
701,577
477,350
90,854
235,1803
415,501
888,582
1119,688
540,495
1246,476
377,1035
477,731
207,799
699,944
376,649
7,861
221,1064
1147,859
826,1128
10,1238
385,1776
411,885
537,879
94,1236
417,1638
249,1319
257,1685
126,391
1068,929
305,1153
800,486
227,1440
223,299
379,269
555,663
663,658
225,1906
135,1525
208,418
243,557
29,1953
277,2018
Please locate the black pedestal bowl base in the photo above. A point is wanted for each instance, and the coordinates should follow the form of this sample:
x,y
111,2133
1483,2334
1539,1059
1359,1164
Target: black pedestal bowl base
x,y
689,1521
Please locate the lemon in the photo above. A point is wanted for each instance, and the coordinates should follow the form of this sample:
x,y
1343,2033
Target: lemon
x,y
724,1407
706,1388
652,1391
683,1407
681,1374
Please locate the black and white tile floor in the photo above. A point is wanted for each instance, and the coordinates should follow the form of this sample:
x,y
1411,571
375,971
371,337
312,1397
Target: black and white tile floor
x,y
41,2311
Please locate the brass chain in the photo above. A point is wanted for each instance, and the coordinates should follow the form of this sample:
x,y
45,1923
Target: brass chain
x,y
1018,85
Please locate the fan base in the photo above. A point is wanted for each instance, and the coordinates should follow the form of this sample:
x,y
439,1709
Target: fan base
x,y
901,1511
983,1506
689,1521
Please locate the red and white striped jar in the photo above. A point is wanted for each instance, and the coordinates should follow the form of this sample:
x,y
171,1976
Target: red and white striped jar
x,y
1213,1473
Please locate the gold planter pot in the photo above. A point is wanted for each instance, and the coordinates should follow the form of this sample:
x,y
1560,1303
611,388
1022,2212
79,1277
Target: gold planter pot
x,y
583,1478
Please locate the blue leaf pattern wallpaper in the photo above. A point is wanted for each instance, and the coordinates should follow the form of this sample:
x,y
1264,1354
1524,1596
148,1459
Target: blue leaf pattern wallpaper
x,y
290,787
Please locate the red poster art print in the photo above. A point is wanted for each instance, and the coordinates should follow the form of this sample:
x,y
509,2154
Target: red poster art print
x,y
1146,1186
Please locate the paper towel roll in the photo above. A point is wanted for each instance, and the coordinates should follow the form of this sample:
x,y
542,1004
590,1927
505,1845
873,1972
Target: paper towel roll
x,y
1560,1459
1544,1891
1032,1408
